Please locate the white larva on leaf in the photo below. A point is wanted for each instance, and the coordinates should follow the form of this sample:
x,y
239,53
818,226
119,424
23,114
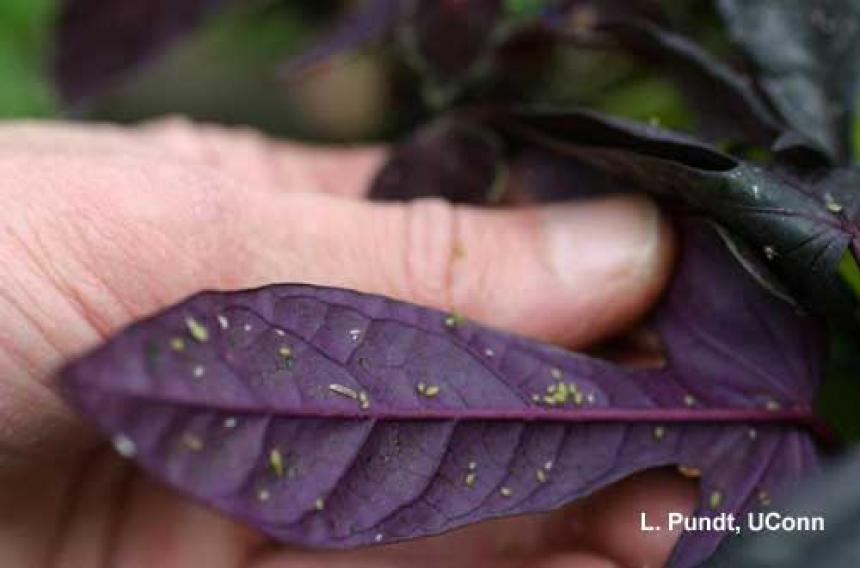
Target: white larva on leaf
x,y
223,322
343,390
832,205
124,446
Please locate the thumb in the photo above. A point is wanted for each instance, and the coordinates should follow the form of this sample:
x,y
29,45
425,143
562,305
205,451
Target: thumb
x,y
569,273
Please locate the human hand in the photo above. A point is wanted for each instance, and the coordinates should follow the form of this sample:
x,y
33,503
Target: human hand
x,y
103,225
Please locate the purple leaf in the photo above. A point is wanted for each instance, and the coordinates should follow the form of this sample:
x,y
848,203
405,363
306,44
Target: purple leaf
x,y
806,54
330,418
454,160
450,36
443,39
728,103
795,229
372,20
100,40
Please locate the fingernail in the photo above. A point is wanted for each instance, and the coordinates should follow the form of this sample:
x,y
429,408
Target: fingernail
x,y
618,237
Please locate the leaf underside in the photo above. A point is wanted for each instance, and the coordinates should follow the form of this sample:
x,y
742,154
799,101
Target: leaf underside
x,y
436,422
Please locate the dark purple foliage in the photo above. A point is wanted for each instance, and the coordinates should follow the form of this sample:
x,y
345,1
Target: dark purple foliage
x,y
800,230
100,40
450,36
730,108
445,40
457,161
373,19
331,418
806,55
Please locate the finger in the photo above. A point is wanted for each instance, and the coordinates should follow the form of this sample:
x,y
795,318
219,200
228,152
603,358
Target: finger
x,y
249,158
600,530
262,162
567,273
157,529
512,542
609,521
100,243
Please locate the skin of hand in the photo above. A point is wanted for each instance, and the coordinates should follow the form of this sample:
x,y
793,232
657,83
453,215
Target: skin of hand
x,y
102,225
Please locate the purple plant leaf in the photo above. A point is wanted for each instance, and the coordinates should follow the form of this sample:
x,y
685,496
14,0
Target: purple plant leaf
x,y
838,187
729,105
331,418
454,160
444,40
798,231
450,36
806,55
100,40
540,176
371,20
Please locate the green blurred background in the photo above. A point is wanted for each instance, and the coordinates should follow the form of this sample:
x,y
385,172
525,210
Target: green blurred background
x,y
225,71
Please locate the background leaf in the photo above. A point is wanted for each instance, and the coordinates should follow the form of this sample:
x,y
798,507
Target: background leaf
x,y
799,232
460,162
98,41
371,20
807,55
728,105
